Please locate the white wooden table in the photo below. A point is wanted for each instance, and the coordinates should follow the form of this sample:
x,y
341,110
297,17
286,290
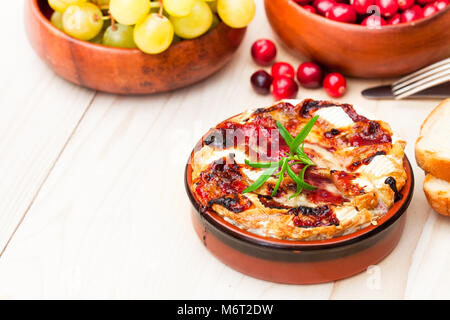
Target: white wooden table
x,y
92,199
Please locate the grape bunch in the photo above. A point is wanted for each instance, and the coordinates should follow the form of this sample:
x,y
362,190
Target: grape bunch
x,y
150,25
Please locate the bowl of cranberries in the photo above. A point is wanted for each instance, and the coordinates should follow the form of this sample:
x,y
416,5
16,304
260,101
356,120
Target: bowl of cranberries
x,y
365,38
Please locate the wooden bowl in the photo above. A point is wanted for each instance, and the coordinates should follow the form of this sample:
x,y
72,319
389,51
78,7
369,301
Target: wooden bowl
x,y
299,262
128,71
356,50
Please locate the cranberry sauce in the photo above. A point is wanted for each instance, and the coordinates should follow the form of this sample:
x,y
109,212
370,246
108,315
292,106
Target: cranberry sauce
x,y
308,217
355,165
269,202
322,193
235,203
223,180
344,181
259,137
368,133
308,105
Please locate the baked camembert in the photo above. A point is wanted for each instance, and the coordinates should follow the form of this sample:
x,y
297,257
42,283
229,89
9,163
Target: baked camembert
x,y
357,173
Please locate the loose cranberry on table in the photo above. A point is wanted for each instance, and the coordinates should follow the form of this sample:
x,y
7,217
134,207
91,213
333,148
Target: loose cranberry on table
x,y
396,19
362,6
335,84
283,69
310,8
309,74
264,52
441,4
341,12
412,14
322,6
284,88
387,7
373,21
261,82
429,10
405,4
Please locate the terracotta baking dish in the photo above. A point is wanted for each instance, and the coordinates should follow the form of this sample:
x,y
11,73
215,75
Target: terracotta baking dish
x,y
299,262
128,71
356,50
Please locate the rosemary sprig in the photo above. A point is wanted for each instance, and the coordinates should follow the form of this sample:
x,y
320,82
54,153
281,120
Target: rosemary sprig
x,y
296,155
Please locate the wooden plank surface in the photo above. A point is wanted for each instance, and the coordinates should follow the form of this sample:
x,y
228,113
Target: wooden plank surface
x,y
106,212
38,114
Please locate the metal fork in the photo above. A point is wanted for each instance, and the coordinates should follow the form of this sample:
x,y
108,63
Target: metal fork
x,y
422,79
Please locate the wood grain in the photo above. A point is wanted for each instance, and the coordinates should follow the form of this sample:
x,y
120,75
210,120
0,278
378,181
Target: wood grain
x,y
107,212
36,121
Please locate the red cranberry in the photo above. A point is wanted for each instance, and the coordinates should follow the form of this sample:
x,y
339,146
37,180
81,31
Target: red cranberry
x,y
412,14
387,7
284,88
261,82
418,9
310,9
361,6
283,69
405,4
335,84
341,12
395,19
373,21
424,2
441,4
429,10
264,52
302,2
309,74
322,6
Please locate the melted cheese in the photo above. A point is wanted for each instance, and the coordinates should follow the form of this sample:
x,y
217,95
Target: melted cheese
x,y
364,183
208,155
345,213
335,116
350,215
379,166
327,159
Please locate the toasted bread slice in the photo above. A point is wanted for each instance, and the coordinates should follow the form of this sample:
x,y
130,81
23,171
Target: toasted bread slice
x,y
438,194
433,144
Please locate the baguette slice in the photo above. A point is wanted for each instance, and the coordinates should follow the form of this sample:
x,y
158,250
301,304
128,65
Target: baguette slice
x,y
438,194
433,144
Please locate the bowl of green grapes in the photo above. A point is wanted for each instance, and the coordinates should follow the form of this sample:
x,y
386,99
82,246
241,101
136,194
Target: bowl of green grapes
x,y
136,47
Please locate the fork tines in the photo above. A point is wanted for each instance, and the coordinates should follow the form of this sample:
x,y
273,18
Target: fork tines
x,y
422,79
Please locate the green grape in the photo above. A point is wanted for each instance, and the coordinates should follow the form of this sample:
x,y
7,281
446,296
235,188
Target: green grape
x,y
100,2
196,23
176,39
98,38
83,21
236,13
120,36
61,5
178,8
153,34
129,12
56,20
